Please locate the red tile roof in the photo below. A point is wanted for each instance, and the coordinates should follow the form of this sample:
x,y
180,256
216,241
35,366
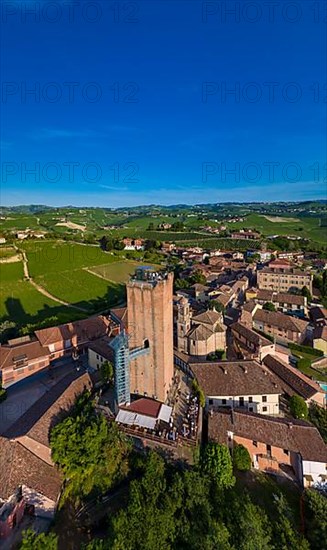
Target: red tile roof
x,y
296,381
18,466
146,406
85,330
235,378
40,417
29,350
296,435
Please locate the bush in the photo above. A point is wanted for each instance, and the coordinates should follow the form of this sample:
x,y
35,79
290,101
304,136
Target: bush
x,y
241,458
198,392
298,407
269,306
306,349
318,417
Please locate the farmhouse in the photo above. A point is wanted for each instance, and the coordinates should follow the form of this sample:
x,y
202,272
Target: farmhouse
x,y
275,444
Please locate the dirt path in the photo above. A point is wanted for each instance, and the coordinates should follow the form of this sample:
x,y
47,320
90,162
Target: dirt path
x,y
97,275
48,295
43,291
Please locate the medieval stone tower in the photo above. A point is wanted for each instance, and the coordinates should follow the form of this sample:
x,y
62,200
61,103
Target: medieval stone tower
x,y
150,325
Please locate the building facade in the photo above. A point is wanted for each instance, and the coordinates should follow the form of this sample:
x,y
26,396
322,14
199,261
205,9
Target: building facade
x,y
283,279
150,325
201,334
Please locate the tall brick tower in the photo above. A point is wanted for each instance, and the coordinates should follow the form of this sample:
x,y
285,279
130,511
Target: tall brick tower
x,y
150,324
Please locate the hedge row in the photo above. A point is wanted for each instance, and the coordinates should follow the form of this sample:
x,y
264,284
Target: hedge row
x,y
306,349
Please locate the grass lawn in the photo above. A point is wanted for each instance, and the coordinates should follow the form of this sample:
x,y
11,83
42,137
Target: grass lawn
x,y
58,268
59,256
10,273
119,272
320,374
82,289
22,303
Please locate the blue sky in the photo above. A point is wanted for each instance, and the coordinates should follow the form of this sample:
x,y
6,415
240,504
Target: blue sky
x,y
131,103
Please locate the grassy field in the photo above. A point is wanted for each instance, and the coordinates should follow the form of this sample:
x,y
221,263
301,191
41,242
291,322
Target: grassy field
x,y
59,256
22,303
82,289
7,252
19,222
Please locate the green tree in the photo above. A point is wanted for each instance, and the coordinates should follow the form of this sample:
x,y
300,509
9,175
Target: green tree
x,y
318,416
218,306
148,521
43,541
306,293
106,371
269,306
316,518
217,463
3,393
197,277
241,458
92,454
198,392
298,407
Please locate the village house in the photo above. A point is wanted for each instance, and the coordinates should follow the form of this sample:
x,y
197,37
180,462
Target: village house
x,y
64,339
245,384
199,334
99,351
294,382
280,326
285,302
133,244
20,358
249,344
275,445
320,339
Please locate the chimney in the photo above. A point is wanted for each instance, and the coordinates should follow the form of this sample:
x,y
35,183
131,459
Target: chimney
x,y
290,425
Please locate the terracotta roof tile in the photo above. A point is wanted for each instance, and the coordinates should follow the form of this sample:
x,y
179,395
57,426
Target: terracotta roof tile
x,y
31,350
295,380
297,436
40,417
18,466
235,378
277,319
